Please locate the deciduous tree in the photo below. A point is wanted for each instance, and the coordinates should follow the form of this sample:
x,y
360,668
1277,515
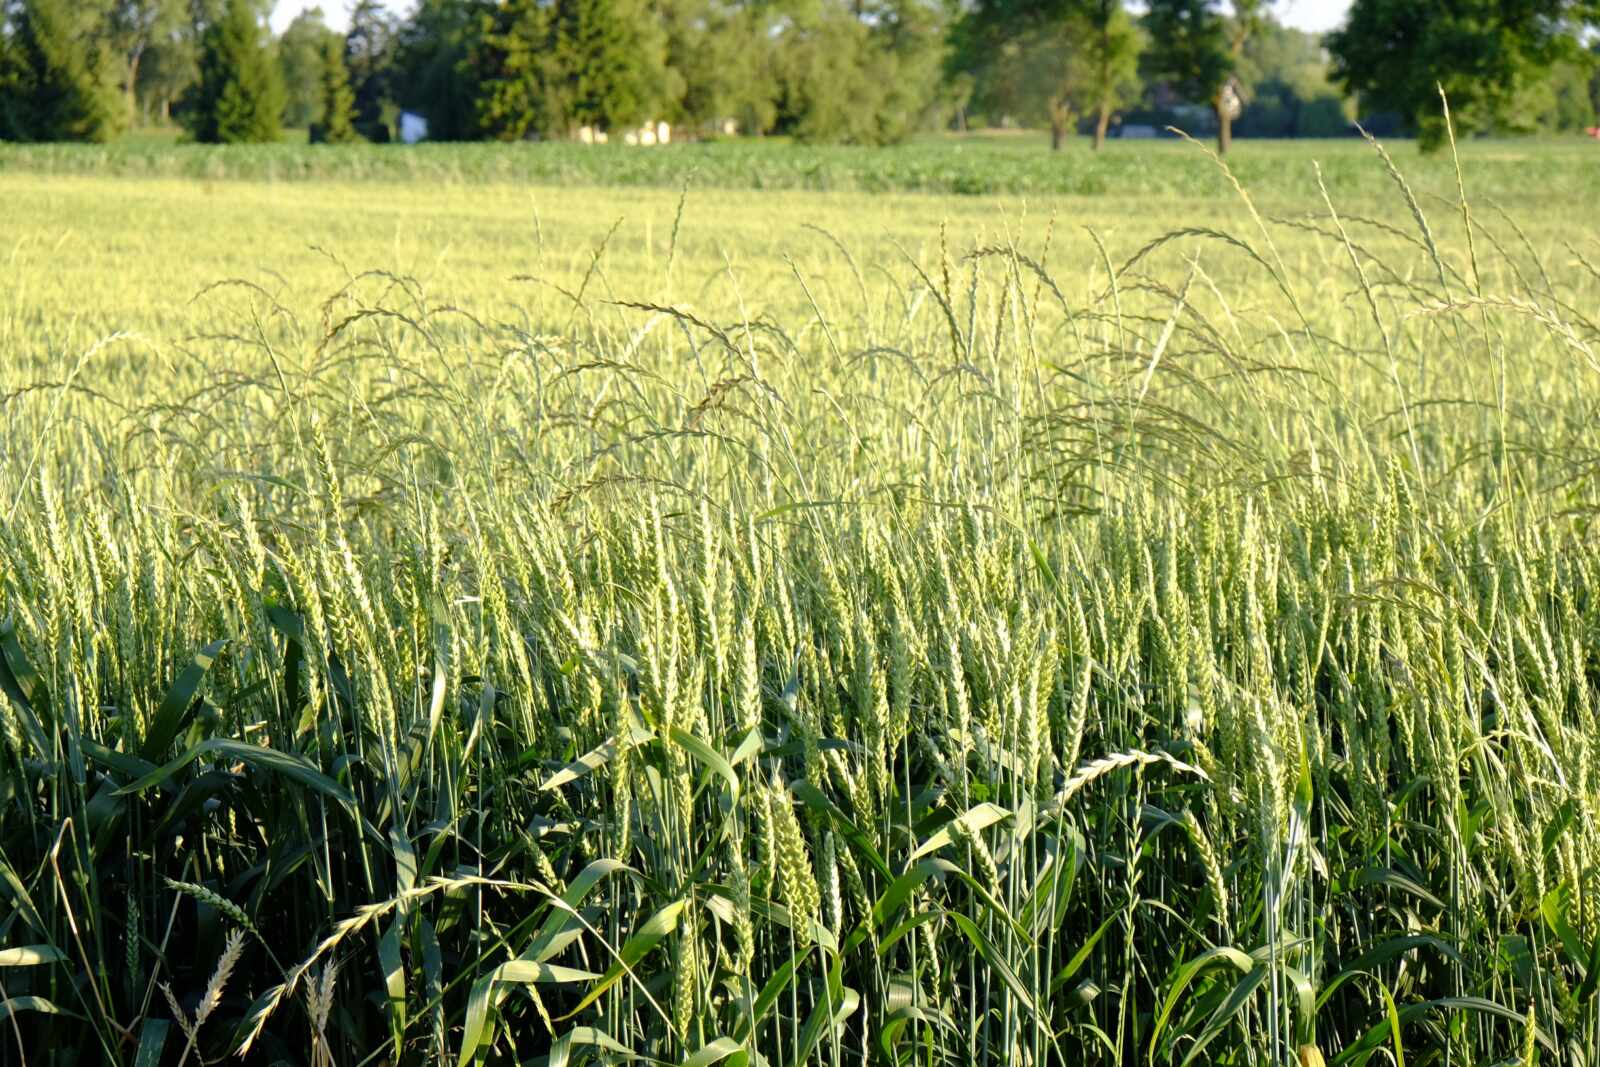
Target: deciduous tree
x,y
1108,70
302,63
1052,60
1192,50
1395,54
136,25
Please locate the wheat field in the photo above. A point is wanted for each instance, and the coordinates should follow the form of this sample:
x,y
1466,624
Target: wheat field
x,y
517,624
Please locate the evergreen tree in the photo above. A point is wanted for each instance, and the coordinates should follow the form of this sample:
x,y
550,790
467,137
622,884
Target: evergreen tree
x,y
15,79
520,73
59,74
238,97
435,63
369,56
337,100
616,62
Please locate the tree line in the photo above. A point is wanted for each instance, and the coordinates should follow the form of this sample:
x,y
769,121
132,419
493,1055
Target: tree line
x,y
846,71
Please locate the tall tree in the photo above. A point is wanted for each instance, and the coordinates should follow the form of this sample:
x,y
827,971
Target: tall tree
x,y
336,106
1284,72
519,71
617,61
1110,60
302,63
1191,49
168,65
717,52
238,97
435,67
1248,16
15,80
1051,58
1396,53
369,55
818,54
135,26
1593,58
62,71
907,41
857,71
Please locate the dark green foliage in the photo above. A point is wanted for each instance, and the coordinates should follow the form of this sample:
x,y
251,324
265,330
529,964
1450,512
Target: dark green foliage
x,y
239,97
824,71
519,73
1486,54
169,66
58,73
302,60
1189,48
435,64
336,101
369,56
1287,90
614,55
1047,61
852,72
717,53
549,68
14,80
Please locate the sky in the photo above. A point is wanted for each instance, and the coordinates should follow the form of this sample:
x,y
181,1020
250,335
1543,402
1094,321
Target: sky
x,y
1313,15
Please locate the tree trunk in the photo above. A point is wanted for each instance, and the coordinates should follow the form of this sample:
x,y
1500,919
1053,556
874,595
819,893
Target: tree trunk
x,y
133,86
1224,129
1060,114
1102,123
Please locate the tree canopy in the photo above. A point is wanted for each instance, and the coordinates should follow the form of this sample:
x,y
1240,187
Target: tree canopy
x,y
1491,57
841,71
58,72
238,97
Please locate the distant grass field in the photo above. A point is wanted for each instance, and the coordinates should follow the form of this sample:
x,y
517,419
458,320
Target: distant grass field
x,y
976,165
492,615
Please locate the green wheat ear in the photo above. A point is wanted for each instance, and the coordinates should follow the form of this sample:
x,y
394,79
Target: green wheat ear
x,y
212,899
